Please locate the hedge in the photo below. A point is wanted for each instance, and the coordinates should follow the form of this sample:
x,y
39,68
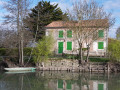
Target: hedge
x,y
14,51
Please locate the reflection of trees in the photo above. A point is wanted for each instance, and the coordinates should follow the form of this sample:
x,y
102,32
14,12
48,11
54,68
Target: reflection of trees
x,y
83,79
9,82
51,80
23,82
114,82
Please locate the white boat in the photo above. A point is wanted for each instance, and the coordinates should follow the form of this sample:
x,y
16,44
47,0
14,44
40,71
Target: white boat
x,y
20,69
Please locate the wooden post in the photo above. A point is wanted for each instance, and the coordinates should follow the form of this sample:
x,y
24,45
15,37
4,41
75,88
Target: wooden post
x,y
108,67
89,67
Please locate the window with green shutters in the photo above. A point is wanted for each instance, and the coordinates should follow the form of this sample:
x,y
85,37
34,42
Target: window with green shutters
x,y
69,84
69,45
100,87
101,33
60,34
60,47
69,33
60,83
100,45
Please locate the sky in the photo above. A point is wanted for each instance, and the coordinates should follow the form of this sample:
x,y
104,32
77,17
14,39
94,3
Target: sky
x,y
112,6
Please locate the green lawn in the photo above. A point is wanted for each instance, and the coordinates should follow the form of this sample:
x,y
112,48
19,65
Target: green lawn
x,y
98,59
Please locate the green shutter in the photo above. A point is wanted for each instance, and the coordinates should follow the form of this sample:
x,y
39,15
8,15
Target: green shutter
x,y
69,33
100,87
101,33
60,34
100,45
69,84
69,45
60,47
60,83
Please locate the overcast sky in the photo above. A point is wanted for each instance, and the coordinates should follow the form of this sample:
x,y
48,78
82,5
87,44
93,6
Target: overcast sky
x,y
109,6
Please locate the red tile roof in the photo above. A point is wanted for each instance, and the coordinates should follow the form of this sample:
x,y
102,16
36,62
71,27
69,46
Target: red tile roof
x,y
84,23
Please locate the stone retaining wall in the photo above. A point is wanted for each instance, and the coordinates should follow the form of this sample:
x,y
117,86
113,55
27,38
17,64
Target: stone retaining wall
x,y
59,65
73,65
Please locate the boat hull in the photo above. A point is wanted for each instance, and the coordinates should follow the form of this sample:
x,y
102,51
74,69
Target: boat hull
x,y
20,69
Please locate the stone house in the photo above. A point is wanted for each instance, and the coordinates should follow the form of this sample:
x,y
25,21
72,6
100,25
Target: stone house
x,y
65,41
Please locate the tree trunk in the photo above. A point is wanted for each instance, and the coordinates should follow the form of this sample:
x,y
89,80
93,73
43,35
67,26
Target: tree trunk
x,y
80,54
22,60
88,51
18,29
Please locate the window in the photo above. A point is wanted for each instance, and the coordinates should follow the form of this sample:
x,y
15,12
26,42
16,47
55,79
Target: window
x,y
60,47
69,33
69,84
101,33
100,86
60,34
60,83
100,45
69,45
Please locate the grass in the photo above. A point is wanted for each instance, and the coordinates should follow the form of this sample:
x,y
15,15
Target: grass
x,y
98,59
91,59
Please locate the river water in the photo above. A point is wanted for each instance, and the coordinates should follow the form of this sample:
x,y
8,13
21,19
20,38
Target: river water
x,y
59,81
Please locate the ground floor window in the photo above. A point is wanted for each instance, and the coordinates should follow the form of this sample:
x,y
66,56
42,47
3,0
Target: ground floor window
x,y
60,83
69,45
100,86
60,47
100,45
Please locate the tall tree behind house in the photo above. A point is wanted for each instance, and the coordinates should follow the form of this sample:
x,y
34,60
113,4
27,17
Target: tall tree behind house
x,y
47,13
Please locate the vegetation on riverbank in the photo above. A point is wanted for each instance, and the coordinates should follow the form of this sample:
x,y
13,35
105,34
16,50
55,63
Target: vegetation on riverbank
x,y
114,49
43,49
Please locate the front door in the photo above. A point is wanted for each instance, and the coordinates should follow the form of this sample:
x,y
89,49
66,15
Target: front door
x,y
60,47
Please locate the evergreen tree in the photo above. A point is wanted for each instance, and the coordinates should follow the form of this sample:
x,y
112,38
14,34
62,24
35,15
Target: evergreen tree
x,y
41,15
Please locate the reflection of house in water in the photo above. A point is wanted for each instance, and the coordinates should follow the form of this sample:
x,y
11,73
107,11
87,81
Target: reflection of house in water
x,y
66,85
76,81
95,85
71,85
63,85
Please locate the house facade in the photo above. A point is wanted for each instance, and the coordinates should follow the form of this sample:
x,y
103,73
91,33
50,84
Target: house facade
x,y
65,41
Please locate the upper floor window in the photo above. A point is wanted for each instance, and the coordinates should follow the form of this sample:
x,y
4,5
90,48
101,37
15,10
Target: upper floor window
x,y
60,34
101,33
69,33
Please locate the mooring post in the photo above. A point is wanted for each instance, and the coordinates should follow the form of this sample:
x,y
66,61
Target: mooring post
x,y
108,67
89,67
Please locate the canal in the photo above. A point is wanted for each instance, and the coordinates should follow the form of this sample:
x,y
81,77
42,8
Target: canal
x,y
56,80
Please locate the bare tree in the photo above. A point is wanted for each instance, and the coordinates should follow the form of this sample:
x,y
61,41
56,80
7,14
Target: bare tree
x,y
9,38
18,11
85,20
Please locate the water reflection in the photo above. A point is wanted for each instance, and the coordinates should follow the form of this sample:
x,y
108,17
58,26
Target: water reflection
x,y
59,81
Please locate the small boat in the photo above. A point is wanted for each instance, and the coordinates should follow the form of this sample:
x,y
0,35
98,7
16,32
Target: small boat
x,y
20,69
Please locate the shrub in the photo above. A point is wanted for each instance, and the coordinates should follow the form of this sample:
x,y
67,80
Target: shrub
x,y
27,51
114,49
43,49
3,51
